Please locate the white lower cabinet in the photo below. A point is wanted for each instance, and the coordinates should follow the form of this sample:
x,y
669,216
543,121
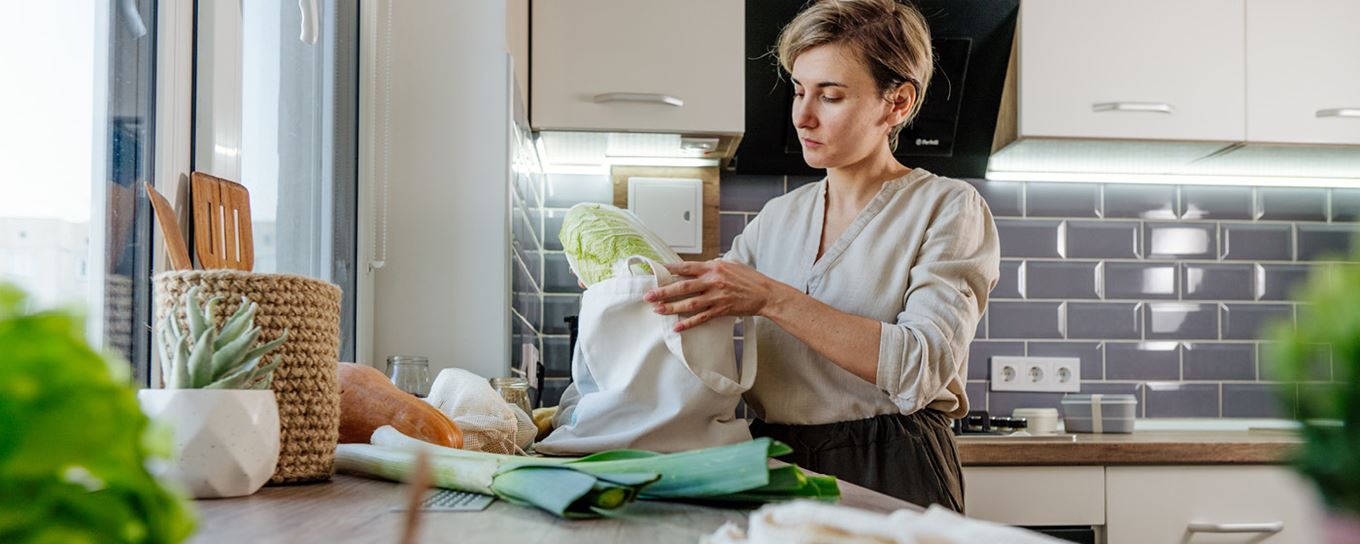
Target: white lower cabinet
x,y
1035,496
1202,504
1198,504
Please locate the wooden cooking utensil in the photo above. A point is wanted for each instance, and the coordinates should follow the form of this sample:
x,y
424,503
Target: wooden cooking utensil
x,y
174,238
222,234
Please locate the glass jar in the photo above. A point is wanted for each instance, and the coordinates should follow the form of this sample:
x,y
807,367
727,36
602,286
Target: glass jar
x,y
515,391
410,373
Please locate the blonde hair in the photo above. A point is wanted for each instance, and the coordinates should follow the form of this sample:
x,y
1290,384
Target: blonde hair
x,y
892,39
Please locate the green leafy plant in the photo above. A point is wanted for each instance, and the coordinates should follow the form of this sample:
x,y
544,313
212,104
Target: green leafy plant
x,y
595,236
1329,411
73,441
205,357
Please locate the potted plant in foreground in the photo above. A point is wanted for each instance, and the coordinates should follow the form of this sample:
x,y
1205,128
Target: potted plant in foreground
x,y
216,399
1328,409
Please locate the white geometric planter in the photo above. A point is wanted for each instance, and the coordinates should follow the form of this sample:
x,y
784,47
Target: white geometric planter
x,y
226,442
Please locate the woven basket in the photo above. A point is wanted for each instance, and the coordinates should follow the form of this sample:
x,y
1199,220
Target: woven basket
x,y
305,382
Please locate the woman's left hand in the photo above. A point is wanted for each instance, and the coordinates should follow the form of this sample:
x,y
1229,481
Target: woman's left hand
x,y
713,289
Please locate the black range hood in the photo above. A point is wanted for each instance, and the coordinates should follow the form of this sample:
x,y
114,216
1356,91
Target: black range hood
x,y
952,136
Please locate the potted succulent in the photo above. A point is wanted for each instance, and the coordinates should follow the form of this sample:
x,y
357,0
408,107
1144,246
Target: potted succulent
x,y
1329,407
217,399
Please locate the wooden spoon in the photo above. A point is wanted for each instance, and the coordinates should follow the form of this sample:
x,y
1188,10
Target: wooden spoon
x,y
222,231
174,238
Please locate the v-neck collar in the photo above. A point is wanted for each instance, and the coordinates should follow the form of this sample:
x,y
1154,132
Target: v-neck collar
x,y
817,267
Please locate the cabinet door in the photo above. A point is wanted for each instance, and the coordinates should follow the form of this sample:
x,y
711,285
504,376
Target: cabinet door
x,y
1138,69
1035,496
614,65
1303,71
1160,504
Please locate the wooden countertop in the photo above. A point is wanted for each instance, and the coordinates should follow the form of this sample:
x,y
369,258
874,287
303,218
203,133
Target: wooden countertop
x,y
1138,448
352,509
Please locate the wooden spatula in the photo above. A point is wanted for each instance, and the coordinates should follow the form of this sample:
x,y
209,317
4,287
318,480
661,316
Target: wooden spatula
x,y
222,236
174,238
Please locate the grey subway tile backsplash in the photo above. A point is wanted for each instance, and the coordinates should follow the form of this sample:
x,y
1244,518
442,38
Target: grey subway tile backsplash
x,y
552,227
1006,319
1248,321
1092,355
1187,275
1180,240
1325,242
557,276
729,226
1212,202
1345,205
1140,201
1102,239
1062,200
981,352
1181,321
1213,281
1062,279
1216,361
1291,204
1004,403
748,193
1100,320
556,356
1170,399
557,307
1142,361
1259,400
1008,284
1004,198
1280,281
1264,242
1138,280
1028,238
567,190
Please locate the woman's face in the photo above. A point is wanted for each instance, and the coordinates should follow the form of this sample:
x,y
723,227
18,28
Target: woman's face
x,y
840,114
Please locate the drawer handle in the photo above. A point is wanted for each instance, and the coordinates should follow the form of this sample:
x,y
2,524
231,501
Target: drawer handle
x,y
1267,527
1339,112
651,98
1153,107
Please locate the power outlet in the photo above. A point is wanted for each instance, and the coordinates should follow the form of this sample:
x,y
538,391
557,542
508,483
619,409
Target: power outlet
x,y
1040,374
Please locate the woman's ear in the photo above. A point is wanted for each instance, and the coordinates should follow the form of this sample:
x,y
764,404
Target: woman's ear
x,y
903,100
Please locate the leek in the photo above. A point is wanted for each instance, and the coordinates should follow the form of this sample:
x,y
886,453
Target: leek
x,y
737,474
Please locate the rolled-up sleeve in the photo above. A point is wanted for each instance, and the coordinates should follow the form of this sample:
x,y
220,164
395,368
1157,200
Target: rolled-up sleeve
x,y
957,266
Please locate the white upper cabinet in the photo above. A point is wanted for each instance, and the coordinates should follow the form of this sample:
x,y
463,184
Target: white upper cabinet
x,y
1146,69
1303,71
629,65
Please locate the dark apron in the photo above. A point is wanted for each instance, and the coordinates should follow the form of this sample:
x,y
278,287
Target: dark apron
x,y
911,457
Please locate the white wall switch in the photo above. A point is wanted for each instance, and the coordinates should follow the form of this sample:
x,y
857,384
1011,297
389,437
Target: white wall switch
x,y
1041,374
671,207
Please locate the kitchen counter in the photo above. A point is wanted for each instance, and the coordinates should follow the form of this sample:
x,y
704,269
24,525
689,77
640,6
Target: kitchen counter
x,y
1142,447
352,509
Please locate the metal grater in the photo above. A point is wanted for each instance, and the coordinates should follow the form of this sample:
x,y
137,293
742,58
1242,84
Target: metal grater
x,y
449,500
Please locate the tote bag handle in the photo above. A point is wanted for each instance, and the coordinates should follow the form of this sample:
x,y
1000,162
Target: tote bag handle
x,y
714,380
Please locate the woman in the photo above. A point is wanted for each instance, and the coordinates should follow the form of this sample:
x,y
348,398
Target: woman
x,y
867,285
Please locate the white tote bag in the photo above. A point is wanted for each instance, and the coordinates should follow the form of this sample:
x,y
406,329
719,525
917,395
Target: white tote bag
x,y
639,384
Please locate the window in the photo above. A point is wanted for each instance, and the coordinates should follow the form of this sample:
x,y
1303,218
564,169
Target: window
x,y
76,147
277,114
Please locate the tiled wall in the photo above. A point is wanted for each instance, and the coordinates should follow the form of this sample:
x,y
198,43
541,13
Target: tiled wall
x,y
526,256
1158,289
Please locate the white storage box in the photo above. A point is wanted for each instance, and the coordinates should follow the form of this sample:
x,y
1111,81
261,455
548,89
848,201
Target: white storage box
x,y
1096,413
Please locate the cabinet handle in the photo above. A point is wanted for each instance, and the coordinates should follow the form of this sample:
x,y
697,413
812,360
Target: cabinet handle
x,y
651,98
1339,112
1154,107
1267,527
